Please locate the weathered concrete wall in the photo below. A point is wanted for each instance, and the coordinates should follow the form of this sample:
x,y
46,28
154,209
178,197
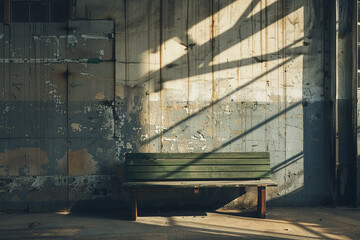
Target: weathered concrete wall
x,y
346,85
189,76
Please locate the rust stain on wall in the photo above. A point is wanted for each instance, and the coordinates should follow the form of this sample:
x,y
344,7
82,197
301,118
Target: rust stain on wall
x,y
81,162
23,161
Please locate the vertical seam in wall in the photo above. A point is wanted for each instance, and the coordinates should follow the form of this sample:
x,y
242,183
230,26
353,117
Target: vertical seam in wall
x,y
261,54
252,67
212,38
188,55
126,52
325,69
336,112
149,75
67,125
114,66
354,97
2,64
277,24
284,82
126,87
160,73
267,104
238,86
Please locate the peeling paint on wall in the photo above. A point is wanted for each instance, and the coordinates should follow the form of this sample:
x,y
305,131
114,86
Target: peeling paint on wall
x,y
76,127
81,162
23,162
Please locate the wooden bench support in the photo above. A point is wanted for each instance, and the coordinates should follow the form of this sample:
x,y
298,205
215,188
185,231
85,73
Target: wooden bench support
x,y
261,207
134,205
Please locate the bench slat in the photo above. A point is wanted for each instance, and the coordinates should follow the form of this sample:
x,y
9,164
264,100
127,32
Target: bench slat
x,y
196,175
169,162
200,184
247,155
202,168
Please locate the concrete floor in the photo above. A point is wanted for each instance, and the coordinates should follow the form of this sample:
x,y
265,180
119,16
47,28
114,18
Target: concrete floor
x,y
281,223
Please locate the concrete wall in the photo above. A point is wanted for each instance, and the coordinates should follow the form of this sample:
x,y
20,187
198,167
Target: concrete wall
x,y
184,76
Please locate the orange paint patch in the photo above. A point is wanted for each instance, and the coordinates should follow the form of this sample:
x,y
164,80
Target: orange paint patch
x,y
81,162
23,161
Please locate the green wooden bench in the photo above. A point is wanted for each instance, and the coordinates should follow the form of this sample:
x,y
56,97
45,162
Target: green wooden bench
x,y
198,170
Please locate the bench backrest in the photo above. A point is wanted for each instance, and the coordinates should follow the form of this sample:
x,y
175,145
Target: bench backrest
x,y
196,166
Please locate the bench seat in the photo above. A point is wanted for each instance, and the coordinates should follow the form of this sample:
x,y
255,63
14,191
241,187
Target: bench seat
x,y
198,170
200,184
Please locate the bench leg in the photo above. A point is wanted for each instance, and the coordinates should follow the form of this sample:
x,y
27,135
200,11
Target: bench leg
x,y
134,205
261,208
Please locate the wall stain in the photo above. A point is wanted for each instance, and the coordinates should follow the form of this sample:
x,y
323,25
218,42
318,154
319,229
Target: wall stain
x,y
81,162
23,162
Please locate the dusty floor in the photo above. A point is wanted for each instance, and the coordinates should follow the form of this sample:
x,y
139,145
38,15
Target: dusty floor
x,y
281,223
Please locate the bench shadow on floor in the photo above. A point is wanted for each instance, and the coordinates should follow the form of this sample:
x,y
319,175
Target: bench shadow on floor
x,y
165,203
126,215
247,213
